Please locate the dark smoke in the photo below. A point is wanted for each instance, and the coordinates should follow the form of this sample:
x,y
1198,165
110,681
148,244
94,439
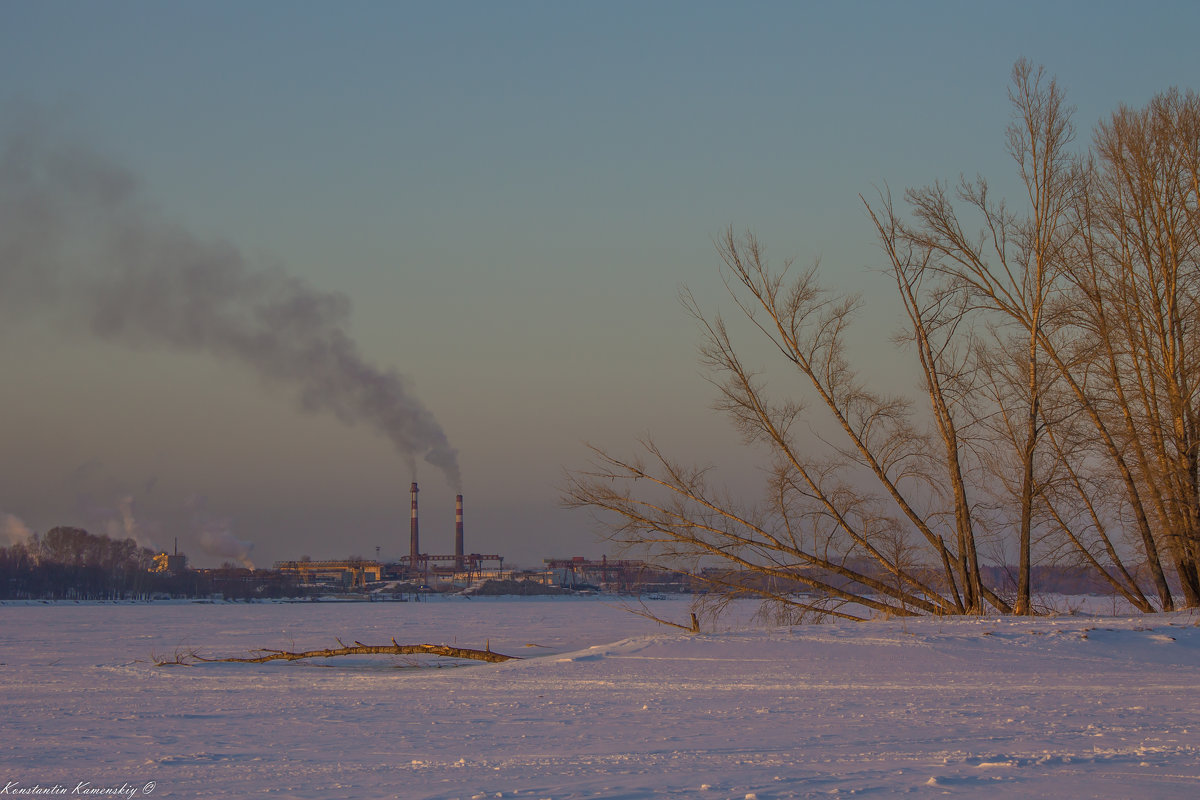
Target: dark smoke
x,y
79,242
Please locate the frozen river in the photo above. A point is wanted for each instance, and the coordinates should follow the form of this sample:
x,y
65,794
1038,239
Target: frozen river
x,y
603,704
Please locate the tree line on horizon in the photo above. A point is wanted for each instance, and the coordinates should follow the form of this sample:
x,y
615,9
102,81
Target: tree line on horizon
x,y
1055,342
68,563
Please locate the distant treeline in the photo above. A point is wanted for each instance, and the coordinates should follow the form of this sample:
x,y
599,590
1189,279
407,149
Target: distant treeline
x,y
1052,579
71,564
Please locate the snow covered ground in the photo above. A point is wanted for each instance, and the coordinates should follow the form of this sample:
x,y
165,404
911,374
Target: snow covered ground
x,y
604,704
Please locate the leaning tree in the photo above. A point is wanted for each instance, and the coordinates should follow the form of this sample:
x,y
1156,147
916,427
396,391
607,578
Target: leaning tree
x,y
1057,417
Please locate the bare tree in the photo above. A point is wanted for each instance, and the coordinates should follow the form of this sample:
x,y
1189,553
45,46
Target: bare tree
x,y
1011,268
1142,284
884,550
1056,353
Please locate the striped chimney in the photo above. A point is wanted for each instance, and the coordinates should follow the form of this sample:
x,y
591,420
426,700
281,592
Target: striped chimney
x,y
458,534
414,543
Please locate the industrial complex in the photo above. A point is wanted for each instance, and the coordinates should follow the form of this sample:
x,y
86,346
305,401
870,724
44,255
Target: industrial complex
x,y
459,571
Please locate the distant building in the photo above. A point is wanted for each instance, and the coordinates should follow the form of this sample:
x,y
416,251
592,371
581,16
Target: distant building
x,y
171,563
348,574
618,575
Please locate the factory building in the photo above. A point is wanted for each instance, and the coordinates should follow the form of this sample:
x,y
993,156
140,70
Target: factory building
x,y
615,575
349,574
171,563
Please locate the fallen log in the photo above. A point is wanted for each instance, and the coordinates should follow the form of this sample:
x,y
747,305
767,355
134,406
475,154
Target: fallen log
x,y
360,649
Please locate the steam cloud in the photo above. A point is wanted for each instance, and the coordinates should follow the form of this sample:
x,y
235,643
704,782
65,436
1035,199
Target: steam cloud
x,y
217,540
216,533
78,241
13,530
125,524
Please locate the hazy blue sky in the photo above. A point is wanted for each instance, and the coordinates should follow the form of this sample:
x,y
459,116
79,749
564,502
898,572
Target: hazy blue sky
x,y
509,196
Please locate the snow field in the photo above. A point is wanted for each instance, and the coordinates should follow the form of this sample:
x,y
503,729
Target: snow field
x,y
603,704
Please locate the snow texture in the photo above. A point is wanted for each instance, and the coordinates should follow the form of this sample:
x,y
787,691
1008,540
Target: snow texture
x,y
604,704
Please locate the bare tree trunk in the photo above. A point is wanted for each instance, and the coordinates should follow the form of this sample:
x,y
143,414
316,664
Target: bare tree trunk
x,y
1146,197
356,649
1012,271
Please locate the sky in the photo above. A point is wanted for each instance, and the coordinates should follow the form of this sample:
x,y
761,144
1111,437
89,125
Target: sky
x,y
292,248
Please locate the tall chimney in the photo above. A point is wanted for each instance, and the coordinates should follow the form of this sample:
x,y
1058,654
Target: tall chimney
x,y
458,534
414,544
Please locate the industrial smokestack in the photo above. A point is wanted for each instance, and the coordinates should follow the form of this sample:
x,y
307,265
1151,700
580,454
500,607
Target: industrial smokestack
x,y
414,542
458,534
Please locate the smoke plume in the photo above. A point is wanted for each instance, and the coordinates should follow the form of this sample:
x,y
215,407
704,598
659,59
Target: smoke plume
x,y
78,242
